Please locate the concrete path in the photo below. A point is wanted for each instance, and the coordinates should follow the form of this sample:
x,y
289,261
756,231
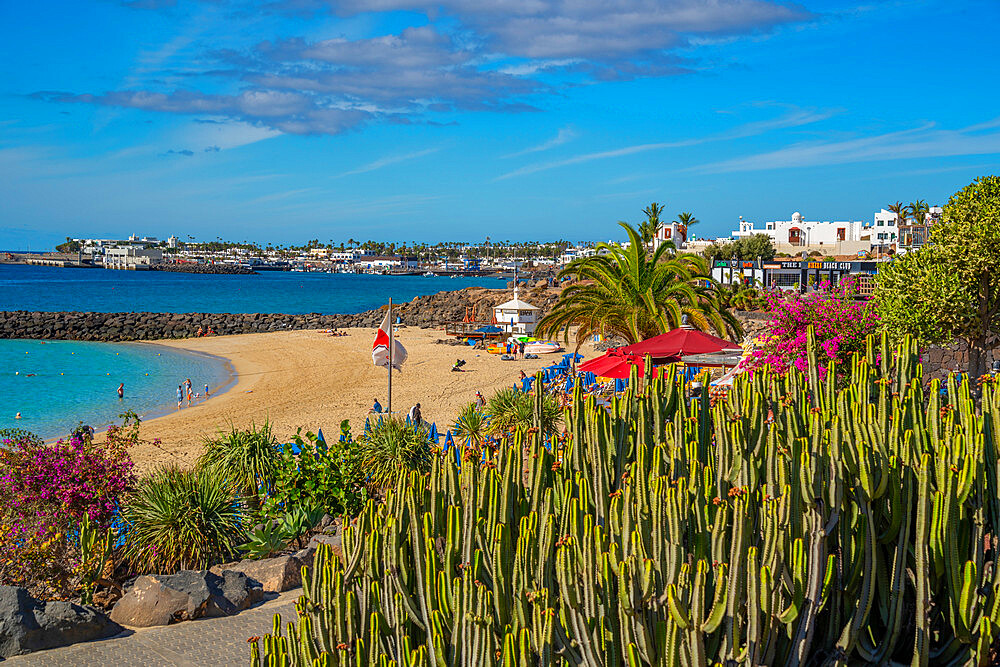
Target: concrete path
x,y
206,642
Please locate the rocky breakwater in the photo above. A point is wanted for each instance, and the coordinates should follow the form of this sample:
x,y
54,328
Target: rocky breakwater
x,y
154,326
439,309
211,269
426,311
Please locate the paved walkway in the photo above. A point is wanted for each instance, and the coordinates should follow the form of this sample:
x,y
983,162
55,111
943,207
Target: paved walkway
x,y
206,642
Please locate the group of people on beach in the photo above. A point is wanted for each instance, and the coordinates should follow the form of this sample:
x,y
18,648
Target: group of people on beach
x,y
202,332
186,389
516,348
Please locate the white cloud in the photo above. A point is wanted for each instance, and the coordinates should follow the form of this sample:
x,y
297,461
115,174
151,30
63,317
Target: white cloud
x,y
926,141
565,134
386,161
794,118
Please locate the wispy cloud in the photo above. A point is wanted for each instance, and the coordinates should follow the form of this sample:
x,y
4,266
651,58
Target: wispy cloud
x,y
925,141
565,135
590,157
386,161
794,118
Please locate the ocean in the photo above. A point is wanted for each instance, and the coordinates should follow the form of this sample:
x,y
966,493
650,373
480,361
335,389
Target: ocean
x,y
57,384
47,288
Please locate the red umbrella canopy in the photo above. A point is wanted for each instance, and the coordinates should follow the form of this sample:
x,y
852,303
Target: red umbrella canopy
x,y
677,343
612,365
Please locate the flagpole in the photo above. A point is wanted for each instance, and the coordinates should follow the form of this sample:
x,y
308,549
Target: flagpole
x,y
389,400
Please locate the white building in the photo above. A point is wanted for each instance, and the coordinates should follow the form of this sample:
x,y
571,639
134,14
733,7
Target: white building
x,y
673,232
172,242
801,234
131,258
516,316
884,230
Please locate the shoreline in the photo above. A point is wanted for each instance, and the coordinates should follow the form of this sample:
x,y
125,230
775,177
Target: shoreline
x,y
167,408
307,379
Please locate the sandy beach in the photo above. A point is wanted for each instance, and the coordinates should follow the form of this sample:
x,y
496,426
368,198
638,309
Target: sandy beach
x,y
312,380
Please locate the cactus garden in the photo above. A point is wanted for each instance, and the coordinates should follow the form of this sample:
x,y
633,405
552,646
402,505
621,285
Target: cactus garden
x,y
803,519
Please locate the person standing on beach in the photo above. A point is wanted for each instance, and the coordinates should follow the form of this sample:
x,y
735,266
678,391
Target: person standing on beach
x,y
520,348
121,391
190,395
180,395
206,391
415,417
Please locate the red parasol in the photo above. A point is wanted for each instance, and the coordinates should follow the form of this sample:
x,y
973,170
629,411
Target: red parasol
x,y
612,364
676,343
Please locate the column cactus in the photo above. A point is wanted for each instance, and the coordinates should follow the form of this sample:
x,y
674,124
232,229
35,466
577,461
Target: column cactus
x,y
802,519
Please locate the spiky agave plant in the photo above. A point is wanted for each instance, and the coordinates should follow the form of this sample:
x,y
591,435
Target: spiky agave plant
x,y
510,410
181,520
393,446
471,426
246,457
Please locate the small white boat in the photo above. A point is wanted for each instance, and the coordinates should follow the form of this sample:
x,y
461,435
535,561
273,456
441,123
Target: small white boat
x,y
542,347
430,273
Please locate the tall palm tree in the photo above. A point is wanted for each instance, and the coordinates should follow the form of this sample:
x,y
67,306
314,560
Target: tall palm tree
x,y
687,220
629,294
918,210
649,226
900,210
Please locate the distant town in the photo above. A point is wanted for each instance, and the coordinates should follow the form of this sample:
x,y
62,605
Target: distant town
x,y
753,253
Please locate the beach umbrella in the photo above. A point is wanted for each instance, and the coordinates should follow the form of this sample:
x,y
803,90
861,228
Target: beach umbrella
x,y
569,384
434,433
319,436
449,441
676,343
368,426
613,364
526,384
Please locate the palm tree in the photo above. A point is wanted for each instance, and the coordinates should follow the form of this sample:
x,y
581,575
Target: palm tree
x,y
687,220
900,210
918,210
629,294
649,226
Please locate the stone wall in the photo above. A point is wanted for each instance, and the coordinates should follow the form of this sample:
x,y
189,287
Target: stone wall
x,y
938,361
426,311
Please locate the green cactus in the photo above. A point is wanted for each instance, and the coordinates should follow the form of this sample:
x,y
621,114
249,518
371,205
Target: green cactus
x,y
796,521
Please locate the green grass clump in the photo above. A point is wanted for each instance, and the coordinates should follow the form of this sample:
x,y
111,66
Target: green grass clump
x,y
181,520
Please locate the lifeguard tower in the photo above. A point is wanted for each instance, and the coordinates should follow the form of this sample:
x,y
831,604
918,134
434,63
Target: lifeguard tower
x,y
516,316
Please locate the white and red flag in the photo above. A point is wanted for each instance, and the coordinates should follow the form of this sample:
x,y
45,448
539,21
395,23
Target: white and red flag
x,y
380,348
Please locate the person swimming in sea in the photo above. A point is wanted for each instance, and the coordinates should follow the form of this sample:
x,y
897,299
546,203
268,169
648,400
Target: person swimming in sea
x,y
121,391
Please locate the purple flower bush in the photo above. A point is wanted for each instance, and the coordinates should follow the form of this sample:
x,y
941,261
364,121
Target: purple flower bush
x,y
840,323
45,491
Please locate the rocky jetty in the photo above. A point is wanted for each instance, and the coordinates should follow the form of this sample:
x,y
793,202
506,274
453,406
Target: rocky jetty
x,y
212,269
427,311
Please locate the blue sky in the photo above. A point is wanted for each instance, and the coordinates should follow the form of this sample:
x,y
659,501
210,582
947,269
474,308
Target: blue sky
x,y
285,120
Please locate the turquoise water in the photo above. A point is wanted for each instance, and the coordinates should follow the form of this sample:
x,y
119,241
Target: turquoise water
x,y
57,384
101,290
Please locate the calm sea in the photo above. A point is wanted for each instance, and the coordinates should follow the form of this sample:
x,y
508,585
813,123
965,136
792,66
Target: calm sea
x,y
57,384
101,290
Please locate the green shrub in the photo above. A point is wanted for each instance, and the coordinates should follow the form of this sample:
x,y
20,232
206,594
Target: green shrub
x,y
246,457
181,520
315,475
510,410
10,436
471,426
390,447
